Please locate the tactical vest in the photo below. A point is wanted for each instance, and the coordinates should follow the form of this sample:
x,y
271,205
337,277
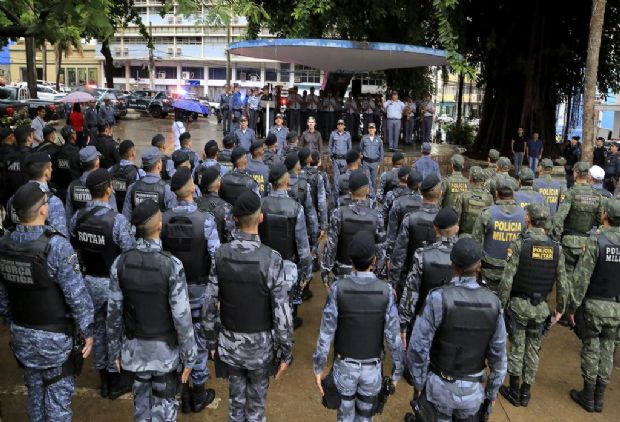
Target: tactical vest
x,y
15,176
503,229
233,185
94,241
343,184
224,160
312,176
79,194
183,235
143,278
35,299
456,184
361,317
217,207
551,192
604,283
469,319
245,299
142,191
353,223
122,177
299,190
64,165
278,227
164,168
436,271
523,198
49,148
473,204
259,178
421,231
271,158
391,181
610,166
409,202
583,212
537,268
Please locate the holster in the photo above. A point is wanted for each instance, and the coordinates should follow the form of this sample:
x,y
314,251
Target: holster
x,y
485,411
512,325
387,389
580,328
169,380
221,368
424,410
331,395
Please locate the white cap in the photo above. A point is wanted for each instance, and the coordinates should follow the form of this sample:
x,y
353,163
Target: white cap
x,y
597,173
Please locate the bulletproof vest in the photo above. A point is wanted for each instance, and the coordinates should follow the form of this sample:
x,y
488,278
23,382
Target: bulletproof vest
x,y
523,198
473,204
278,227
610,166
142,191
361,317
270,158
245,299
259,178
217,207
183,235
409,202
94,242
343,184
312,176
122,177
15,176
64,166
583,212
164,168
223,158
299,190
143,278
503,229
551,192
604,282
35,299
536,272
79,194
353,223
421,231
233,185
391,181
436,271
469,319
49,148
456,184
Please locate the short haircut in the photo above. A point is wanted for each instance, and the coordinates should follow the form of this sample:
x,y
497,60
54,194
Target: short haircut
x,y
432,193
505,193
28,215
149,167
211,150
316,157
88,165
158,141
102,127
149,227
39,108
98,190
228,142
468,271
457,166
613,221
412,183
36,170
362,263
185,138
186,189
248,220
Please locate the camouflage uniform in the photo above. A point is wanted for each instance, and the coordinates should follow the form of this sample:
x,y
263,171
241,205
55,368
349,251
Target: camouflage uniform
x,y
529,196
170,198
312,222
210,162
43,352
152,358
386,177
452,187
350,377
388,201
469,206
336,191
228,223
395,218
553,199
260,173
69,211
99,287
460,398
253,352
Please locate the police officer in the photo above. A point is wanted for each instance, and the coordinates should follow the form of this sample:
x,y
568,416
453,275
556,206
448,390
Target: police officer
x,y
190,234
271,150
596,292
149,322
351,115
237,181
257,169
223,157
125,172
7,149
469,205
167,167
43,321
342,193
284,230
185,140
526,194
401,189
280,131
368,109
501,172
106,146
578,214
300,190
596,176
211,150
312,104
425,164
498,226
244,136
293,109
549,188
208,181
345,222
415,229
455,184
612,168
314,177
48,145
329,109
66,163
292,143
535,265
248,291
99,234
15,175
460,331
238,105
572,155
77,192
492,163
372,150
226,109
408,200
358,338
338,145
389,179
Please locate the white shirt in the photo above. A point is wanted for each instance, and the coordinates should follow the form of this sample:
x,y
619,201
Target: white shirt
x,y
429,109
177,129
394,109
37,124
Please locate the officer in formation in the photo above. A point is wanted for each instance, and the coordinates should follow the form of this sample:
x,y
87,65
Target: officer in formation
x,y
550,189
389,179
338,145
455,184
250,345
211,150
244,136
317,183
342,193
612,167
596,176
425,164
501,172
257,168
185,140
149,321
237,181
408,199
469,205
299,189
492,163
167,167
572,155
224,155
596,300
99,234
526,194
397,192
271,156
498,226
48,144
358,338
372,151
292,143
66,163
535,265
125,172
15,177
190,234
209,182
459,332
45,323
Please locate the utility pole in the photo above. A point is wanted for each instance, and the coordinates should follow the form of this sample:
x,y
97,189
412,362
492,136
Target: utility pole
x,y
228,36
151,58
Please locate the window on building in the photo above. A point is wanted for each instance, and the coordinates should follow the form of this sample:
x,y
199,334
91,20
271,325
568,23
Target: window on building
x,y
285,72
189,40
168,72
119,72
271,75
139,72
163,40
217,73
71,77
194,72
250,74
306,74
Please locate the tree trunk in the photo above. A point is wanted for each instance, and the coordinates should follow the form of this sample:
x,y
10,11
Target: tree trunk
x,y
591,74
459,100
31,66
58,51
44,60
108,65
567,119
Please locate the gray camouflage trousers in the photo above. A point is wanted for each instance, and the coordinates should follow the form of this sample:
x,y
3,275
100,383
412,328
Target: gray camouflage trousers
x,y
99,289
355,379
147,405
51,403
247,395
459,398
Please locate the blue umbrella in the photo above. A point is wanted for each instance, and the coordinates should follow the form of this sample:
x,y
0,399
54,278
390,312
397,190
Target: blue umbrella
x,y
192,106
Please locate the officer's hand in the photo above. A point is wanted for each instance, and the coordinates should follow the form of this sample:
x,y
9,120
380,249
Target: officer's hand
x,y
281,370
212,354
403,337
185,375
88,346
321,235
318,379
117,364
571,318
394,383
557,317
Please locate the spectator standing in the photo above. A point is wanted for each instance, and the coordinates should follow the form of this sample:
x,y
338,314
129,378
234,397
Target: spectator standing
x,y
38,123
76,119
428,111
600,153
519,149
535,149
394,112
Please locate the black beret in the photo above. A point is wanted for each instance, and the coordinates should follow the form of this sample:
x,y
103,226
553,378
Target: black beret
x,y
398,156
430,182
180,178
125,146
403,172
352,155
271,139
291,159
236,154
48,129
446,218
415,176
303,154
143,212
36,157
27,196
357,180
66,132
5,132
256,145
211,146
362,246
465,252
204,176
179,157
247,203
97,177
276,172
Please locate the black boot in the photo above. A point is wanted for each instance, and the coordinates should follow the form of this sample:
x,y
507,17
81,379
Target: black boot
x,y
511,393
201,398
585,397
119,384
103,376
525,394
599,394
186,401
306,294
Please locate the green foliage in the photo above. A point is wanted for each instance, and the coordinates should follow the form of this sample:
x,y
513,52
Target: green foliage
x,y
463,134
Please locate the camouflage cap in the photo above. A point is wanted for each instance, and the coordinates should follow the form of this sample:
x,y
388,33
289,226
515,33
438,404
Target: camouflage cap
x,y
582,168
493,154
476,173
546,163
503,162
612,208
526,175
538,212
458,160
506,183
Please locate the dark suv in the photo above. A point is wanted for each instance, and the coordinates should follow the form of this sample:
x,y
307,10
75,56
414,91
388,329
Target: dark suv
x,y
156,103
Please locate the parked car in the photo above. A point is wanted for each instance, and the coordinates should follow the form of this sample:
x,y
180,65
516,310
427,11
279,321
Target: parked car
x,y
444,118
14,98
157,103
118,102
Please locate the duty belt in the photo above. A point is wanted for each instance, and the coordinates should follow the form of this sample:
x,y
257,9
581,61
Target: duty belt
x,y
535,301
371,160
571,232
453,378
490,266
339,156
360,362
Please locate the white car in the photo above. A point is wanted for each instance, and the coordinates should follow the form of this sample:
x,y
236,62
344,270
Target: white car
x,y
47,93
444,118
